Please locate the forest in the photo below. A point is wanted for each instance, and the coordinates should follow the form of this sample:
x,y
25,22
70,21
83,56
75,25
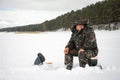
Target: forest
x,y
103,15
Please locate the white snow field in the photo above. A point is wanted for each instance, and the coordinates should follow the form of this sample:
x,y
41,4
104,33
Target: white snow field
x,y
18,52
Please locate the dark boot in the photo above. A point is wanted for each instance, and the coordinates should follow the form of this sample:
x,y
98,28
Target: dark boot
x,y
39,60
82,64
69,67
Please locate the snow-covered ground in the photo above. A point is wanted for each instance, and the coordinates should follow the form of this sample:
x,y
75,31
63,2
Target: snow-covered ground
x,y
18,52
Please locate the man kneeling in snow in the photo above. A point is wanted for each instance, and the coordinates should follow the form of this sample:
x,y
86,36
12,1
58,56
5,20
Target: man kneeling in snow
x,y
82,44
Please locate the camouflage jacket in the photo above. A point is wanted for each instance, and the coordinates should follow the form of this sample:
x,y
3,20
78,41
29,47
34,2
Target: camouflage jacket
x,y
84,39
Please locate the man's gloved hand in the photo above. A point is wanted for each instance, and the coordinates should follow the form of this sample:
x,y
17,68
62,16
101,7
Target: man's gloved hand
x,y
81,50
66,50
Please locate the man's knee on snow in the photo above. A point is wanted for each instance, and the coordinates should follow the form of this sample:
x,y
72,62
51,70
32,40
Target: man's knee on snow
x,y
88,57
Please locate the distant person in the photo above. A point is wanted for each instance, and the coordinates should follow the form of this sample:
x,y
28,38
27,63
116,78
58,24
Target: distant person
x,y
82,44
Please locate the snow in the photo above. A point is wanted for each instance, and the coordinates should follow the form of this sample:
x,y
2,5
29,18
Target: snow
x,y
18,52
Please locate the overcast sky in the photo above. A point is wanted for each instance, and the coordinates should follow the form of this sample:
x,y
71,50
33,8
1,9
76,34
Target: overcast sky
x,y
37,11
64,5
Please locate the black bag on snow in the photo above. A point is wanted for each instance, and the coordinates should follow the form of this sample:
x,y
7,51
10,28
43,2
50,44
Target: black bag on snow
x,y
39,60
92,62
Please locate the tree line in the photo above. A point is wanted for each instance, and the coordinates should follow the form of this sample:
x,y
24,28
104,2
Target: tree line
x,y
105,14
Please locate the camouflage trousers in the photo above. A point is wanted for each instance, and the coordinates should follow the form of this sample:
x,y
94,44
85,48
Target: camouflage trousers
x,y
83,56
